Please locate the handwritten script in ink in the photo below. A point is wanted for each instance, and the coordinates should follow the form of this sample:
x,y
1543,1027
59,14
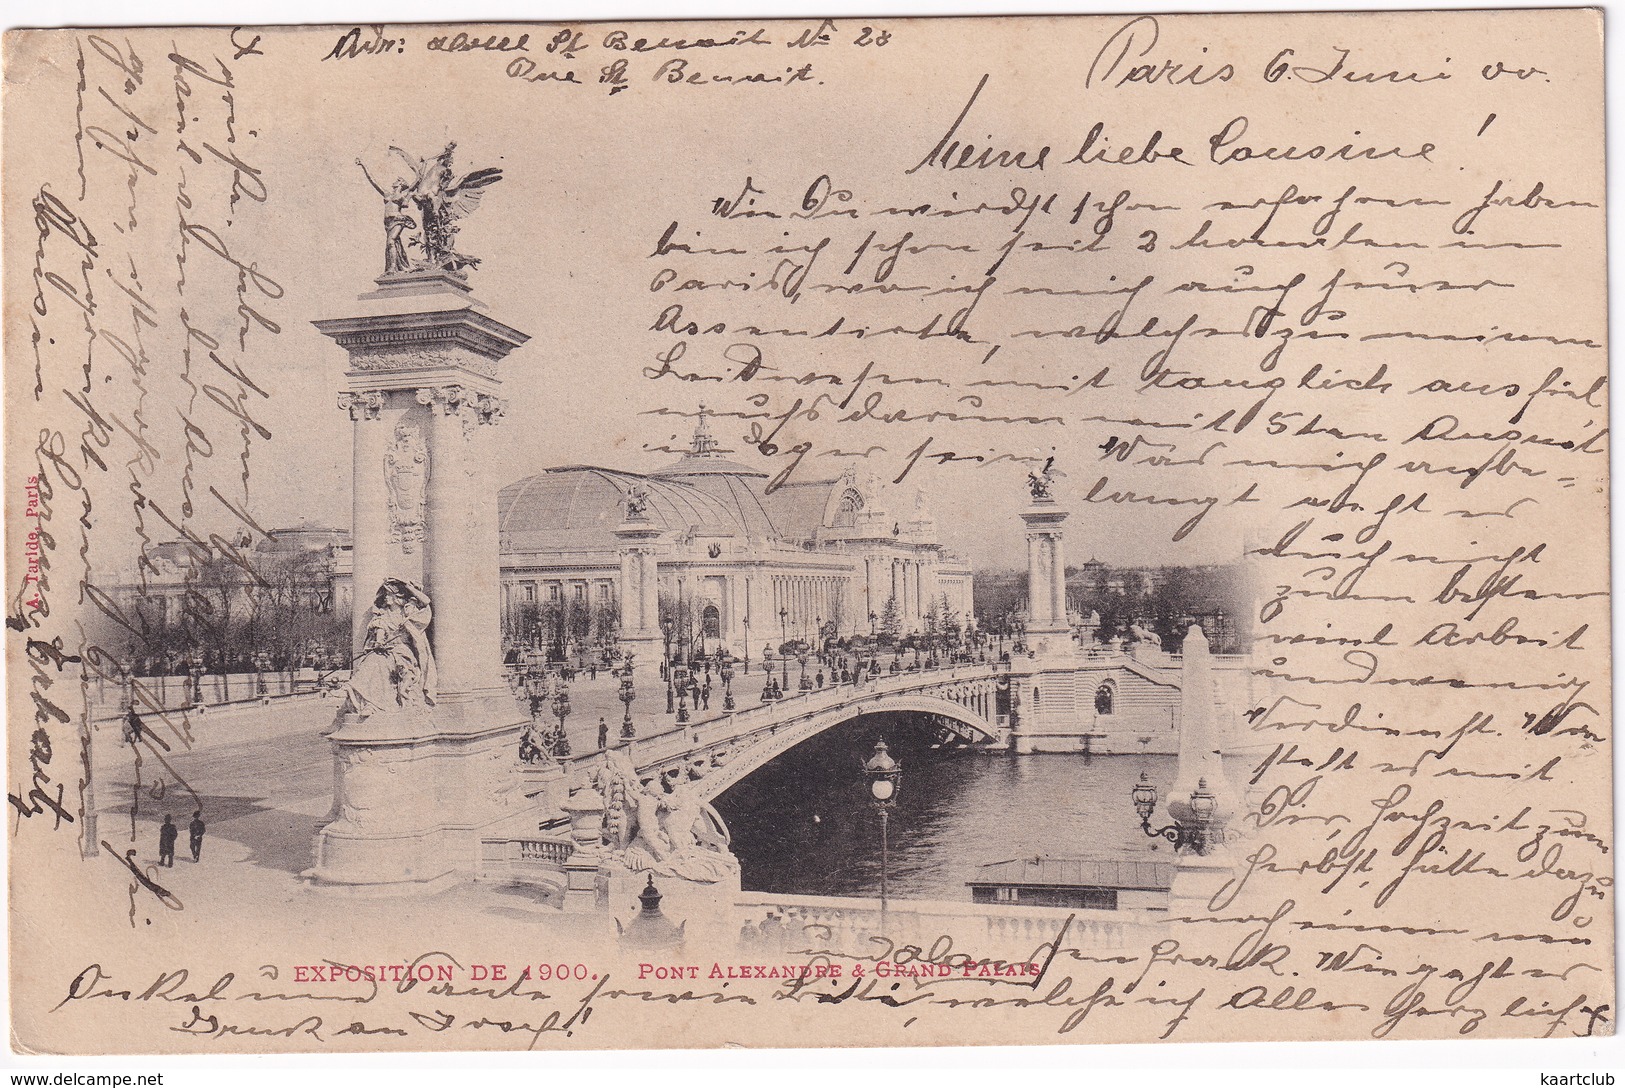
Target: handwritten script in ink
x,y
1323,295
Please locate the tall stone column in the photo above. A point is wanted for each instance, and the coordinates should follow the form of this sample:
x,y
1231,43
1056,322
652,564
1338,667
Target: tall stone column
x,y
1058,583
1037,604
869,604
431,759
453,530
640,591
369,505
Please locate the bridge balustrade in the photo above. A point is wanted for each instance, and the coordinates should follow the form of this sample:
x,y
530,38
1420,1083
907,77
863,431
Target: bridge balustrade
x,y
850,927
972,683
534,858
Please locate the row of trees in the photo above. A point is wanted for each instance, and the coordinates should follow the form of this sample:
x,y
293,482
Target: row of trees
x,y
1165,599
256,611
562,626
940,618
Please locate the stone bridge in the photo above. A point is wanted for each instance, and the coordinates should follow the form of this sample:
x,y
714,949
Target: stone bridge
x,y
721,751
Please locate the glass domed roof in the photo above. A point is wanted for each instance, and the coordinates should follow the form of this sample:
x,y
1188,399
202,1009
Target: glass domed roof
x,y
578,507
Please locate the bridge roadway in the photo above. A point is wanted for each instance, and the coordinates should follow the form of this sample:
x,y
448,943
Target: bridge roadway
x,y
724,748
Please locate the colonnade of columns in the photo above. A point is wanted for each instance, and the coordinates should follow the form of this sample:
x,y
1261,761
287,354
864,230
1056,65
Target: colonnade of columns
x,y
800,601
912,583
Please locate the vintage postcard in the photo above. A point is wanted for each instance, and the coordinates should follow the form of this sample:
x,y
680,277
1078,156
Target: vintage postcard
x,y
826,532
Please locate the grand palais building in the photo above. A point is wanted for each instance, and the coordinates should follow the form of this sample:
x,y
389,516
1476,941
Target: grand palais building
x,y
740,564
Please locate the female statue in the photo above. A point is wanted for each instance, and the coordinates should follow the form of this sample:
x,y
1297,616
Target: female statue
x,y
396,222
395,667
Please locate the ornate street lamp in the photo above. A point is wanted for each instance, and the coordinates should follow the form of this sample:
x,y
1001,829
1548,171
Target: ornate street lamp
x,y
746,623
872,618
727,681
627,695
680,678
784,625
767,656
801,656
561,710
884,775
1194,829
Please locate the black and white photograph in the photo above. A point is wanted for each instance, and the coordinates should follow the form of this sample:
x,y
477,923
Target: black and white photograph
x,y
816,532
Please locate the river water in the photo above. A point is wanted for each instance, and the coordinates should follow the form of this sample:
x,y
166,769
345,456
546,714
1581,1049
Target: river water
x,y
804,825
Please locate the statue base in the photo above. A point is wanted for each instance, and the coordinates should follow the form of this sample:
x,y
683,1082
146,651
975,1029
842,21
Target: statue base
x,y
1047,685
1197,879
414,788
428,282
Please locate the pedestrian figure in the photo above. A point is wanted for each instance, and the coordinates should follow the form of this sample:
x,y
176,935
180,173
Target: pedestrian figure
x,y
166,842
195,836
132,727
603,734
820,679
705,697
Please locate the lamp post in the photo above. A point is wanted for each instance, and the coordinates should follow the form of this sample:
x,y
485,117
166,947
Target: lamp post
x,y
626,696
1194,828
767,685
784,626
727,672
801,657
561,710
884,774
680,676
746,623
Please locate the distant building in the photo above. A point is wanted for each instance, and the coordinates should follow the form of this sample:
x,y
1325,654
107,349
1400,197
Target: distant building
x,y
739,565
1079,883
231,601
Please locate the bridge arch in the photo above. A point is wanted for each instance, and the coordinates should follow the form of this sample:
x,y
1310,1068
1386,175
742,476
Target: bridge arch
x,y
739,761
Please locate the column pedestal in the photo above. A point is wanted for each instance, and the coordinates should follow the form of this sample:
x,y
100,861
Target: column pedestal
x,y
1048,678
417,777
1197,879
1047,629
640,597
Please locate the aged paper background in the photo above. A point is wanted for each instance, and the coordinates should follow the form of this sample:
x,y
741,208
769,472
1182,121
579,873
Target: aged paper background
x,y
1409,446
